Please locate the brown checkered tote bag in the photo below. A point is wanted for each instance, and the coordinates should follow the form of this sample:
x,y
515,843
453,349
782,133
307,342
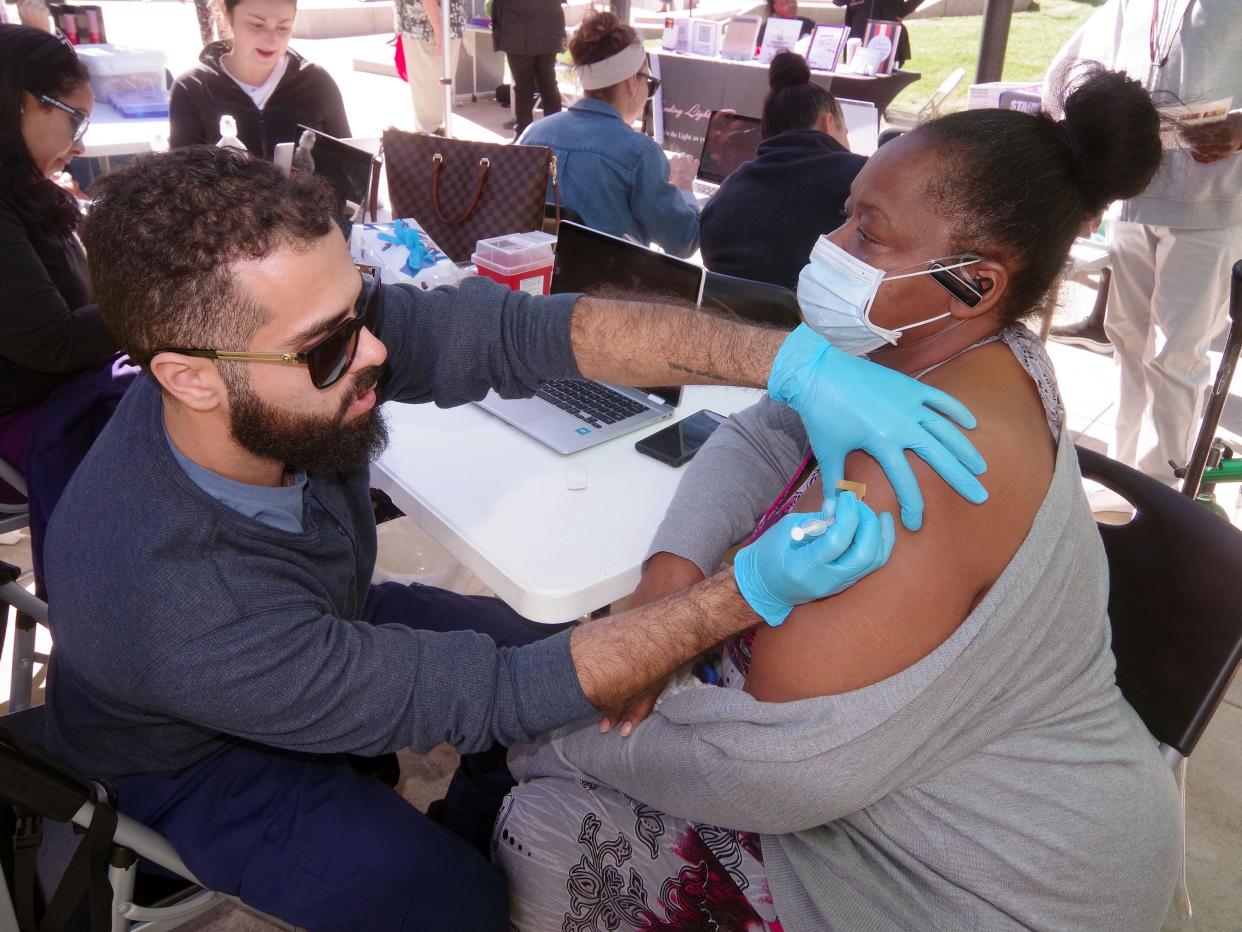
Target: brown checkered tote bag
x,y
461,191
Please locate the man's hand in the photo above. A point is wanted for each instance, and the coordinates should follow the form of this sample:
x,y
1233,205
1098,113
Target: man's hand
x,y
1211,142
776,573
848,404
664,574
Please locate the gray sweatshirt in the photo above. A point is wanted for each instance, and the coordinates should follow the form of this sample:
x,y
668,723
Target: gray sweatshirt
x,y
1204,64
181,624
1000,783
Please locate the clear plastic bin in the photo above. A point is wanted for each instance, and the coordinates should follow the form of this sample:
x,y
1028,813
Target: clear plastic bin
x,y
114,69
521,261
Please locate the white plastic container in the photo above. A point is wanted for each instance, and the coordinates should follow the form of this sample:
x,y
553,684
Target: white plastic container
x,y
983,96
114,69
522,261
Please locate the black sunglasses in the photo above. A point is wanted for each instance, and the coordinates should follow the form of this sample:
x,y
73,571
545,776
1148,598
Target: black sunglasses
x,y
78,119
653,83
327,360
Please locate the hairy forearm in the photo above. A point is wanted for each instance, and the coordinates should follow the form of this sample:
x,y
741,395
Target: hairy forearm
x,y
621,656
665,574
647,344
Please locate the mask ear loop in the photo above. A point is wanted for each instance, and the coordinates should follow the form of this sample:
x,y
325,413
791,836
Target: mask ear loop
x,y
891,336
968,259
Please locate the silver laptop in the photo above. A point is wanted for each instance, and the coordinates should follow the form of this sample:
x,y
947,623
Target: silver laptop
x,y
569,415
731,140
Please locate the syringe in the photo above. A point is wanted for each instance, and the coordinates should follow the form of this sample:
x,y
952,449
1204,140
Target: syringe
x,y
811,528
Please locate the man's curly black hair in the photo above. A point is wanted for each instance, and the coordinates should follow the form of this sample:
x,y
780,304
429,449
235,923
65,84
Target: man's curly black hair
x,y
164,232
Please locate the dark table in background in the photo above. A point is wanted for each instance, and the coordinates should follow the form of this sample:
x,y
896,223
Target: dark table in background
x,y
692,86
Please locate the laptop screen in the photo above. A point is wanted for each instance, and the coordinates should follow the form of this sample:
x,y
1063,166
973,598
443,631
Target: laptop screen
x,y
862,125
730,141
589,261
346,168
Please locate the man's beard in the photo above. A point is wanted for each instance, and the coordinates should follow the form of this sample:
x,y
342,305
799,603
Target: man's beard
x,y
315,443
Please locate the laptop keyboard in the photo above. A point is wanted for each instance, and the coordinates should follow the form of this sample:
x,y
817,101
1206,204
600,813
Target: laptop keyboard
x,y
704,188
595,404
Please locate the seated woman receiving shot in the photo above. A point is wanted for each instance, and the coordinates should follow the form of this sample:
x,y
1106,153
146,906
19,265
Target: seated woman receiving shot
x,y
943,745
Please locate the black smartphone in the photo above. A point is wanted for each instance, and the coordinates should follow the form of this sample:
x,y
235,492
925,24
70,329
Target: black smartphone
x,y
677,443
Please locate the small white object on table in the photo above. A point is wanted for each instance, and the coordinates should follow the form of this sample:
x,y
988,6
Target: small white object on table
x,y
502,504
112,134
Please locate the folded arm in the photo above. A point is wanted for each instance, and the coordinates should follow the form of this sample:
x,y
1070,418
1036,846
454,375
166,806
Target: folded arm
x,y
38,329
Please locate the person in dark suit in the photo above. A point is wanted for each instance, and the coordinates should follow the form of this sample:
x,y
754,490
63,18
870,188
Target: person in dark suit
x,y
530,33
857,12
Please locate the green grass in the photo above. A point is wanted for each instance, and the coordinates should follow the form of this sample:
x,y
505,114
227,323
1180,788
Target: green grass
x,y
949,42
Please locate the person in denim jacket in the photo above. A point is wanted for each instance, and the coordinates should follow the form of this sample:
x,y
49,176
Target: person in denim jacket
x,y
618,180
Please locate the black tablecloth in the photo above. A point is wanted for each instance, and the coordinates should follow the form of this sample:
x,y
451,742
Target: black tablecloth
x,y
692,86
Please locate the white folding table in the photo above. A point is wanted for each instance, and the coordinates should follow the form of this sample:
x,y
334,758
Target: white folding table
x,y
499,502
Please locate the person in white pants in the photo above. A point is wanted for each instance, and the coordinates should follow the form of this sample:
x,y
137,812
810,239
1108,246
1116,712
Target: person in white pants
x,y
1168,301
1174,245
419,23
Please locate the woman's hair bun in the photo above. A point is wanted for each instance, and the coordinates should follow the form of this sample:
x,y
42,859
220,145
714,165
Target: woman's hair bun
x,y
600,35
1112,132
788,69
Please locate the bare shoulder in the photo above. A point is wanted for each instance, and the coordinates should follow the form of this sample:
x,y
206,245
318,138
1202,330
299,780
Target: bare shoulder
x,y
936,575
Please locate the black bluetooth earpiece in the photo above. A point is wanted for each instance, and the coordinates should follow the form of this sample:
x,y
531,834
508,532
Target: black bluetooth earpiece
x,y
967,290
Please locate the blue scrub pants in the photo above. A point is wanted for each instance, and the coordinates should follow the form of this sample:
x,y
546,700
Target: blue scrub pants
x,y
310,840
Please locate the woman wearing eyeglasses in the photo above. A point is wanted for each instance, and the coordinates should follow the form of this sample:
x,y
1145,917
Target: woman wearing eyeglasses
x,y
49,328
617,179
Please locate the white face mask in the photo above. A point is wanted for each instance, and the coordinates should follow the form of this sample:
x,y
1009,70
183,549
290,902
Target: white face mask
x,y
836,290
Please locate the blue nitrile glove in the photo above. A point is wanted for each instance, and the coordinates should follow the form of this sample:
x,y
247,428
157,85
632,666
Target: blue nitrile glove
x,y
776,573
847,403
407,236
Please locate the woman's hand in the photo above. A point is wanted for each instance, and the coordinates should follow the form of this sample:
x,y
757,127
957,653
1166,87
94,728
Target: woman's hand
x,y
682,170
70,184
34,13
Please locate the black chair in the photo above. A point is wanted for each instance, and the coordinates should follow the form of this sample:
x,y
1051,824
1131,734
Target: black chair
x,y
760,302
96,870
1174,574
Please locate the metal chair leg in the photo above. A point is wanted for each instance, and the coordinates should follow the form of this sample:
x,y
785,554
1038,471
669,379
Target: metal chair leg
x,y
122,873
21,688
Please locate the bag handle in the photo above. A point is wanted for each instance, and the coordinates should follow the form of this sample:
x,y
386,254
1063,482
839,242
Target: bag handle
x,y
556,190
485,165
377,166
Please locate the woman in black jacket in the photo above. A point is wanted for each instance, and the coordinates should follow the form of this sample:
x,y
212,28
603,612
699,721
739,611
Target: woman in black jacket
x,y
767,215
530,33
259,81
59,381
49,329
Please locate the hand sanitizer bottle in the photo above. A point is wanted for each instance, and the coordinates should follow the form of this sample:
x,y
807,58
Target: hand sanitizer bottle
x,y
303,159
228,134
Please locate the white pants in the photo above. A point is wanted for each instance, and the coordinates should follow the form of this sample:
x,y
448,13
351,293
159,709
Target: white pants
x,y
424,69
1167,303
